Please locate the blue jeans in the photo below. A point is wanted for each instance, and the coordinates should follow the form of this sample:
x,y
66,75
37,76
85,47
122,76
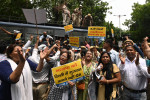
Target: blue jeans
x,y
127,95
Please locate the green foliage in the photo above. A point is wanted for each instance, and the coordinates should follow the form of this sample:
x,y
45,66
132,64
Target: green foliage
x,y
13,8
96,8
140,21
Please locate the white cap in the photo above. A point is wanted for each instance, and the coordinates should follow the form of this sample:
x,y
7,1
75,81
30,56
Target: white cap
x,y
29,47
80,5
41,47
16,31
104,50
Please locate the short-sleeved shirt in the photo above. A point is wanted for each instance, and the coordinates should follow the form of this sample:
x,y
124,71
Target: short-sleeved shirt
x,y
5,82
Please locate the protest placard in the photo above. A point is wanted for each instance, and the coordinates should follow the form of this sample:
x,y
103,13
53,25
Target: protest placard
x,y
68,28
74,41
18,36
35,16
69,72
96,32
112,32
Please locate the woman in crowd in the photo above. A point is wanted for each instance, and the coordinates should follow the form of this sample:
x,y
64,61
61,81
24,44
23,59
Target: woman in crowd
x,y
111,76
67,92
15,74
87,87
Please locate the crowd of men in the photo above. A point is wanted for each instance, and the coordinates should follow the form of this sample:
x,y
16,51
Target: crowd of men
x,y
132,60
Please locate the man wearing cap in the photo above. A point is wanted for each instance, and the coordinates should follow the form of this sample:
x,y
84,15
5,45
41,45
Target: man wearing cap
x,y
77,16
130,42
13,35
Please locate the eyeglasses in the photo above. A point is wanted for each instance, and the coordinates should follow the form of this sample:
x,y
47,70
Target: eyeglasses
x,y
63,56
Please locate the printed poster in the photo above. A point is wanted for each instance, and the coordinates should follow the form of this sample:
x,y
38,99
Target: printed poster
x,y
68,28
96,32
18,36
69,72
74,41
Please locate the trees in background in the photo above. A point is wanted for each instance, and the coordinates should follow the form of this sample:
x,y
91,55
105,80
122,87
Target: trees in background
x,y
97,8
10,8
140,21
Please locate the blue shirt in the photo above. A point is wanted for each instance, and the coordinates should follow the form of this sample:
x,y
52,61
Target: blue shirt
x,y
114,56
5,82
148,63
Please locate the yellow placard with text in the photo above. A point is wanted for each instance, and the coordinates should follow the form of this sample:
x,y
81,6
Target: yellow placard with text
x,y
69,72
96,31
68,28
74,41
18,36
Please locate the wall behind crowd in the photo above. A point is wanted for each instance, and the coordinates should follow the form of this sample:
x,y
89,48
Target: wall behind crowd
x,y
28,29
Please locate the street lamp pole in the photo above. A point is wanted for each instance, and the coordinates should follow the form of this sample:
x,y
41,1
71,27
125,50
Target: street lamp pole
x,y
119,16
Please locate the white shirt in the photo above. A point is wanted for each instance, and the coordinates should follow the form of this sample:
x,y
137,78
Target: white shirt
x,y
25,47
39,77
134,77
48,36
56,56
3,57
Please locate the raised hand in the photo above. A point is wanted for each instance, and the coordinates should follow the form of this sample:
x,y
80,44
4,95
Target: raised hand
x,y
47,39
137,59
55,45
20,53
71,83
146,38
122,58
43,54
38,38
31,37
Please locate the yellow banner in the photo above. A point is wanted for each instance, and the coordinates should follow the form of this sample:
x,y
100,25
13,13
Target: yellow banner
x,y
112,32
96,31
68,28
68,72
18,36
74,41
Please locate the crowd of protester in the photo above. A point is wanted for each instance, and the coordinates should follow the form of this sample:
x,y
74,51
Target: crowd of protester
x,y
25,70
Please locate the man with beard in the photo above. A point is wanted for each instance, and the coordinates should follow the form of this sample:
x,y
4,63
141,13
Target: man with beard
x,y
134,75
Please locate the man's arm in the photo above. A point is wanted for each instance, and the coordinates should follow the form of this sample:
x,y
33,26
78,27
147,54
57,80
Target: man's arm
x,y
141,66
9,33
50,37
41,37
139,50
